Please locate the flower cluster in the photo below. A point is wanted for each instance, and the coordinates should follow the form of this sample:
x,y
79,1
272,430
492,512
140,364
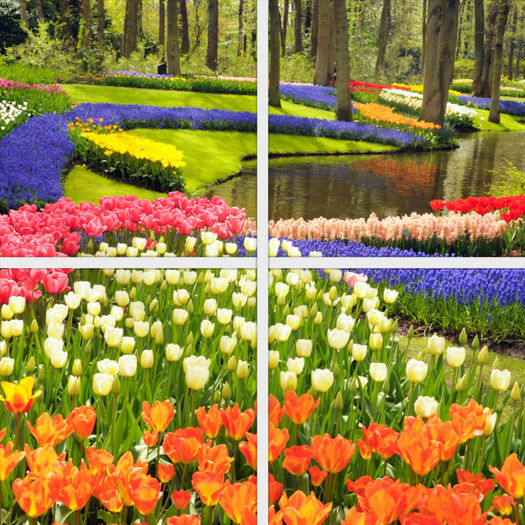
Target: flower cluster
x,y
13,84
355,409
11,114
138,397
514,206
385,114
510,107
58,228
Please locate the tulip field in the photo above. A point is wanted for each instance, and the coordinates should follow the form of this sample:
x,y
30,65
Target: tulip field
x,y
373,424
128,397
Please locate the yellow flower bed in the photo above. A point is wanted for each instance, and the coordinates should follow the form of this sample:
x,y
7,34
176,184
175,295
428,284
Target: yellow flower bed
x,y
137,147
418,88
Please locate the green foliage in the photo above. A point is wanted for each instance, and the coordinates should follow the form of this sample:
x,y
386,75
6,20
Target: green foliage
x,y
297,67
11,31
38,102
463,68
28,74
511,181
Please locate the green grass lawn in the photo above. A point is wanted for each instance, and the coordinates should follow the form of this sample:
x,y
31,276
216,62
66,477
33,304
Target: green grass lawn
x,y
298,110
159,97
280,143
507,122
210,156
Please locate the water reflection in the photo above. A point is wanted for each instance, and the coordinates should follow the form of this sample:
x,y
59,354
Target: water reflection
x,y
389,184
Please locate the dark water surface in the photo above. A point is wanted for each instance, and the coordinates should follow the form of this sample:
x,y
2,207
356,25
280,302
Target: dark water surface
x,y
388,184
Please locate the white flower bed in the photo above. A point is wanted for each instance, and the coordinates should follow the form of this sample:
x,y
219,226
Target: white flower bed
x,y
9,113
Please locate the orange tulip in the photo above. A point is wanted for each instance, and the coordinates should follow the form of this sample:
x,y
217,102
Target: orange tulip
x,y
237,423
158,416
275,489
354,517
150,437
43,460
108,493
33,494
50,431
474,482
214,458
419,450
298,409
83,421
180,498
185,519
468,421
183,445
99,461
72,486
275,411
297,459
381,439
211,421
504,503
317,476
166,473
277,441
249,449
237,497
300,508
511,477
9,460
208,486
19,398
444,433
144,491
364,449
332,454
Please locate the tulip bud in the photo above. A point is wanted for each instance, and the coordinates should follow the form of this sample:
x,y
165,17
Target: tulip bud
x,y
515,393
461,384
475,343
496,364
318,319
435,344
31,365
154,305
273,359
17,304
490,423
390,296
6,312
304,347
207,328
483,356
322,379
242,369
73,386
77,367
463,337
295,365
7,365
455,356
232,363
173,352
416,371
410,333
217,396
34,326
288,381
210,306
226,391
359,352
102,384
227,344
41,373
179,316
378,372
127,344
375,341
115,387
146,359
141,328
500,379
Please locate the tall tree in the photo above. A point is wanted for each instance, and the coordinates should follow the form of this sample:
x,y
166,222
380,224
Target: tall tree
x,y
65,21
284,26
298,25
497,70
384,32
162,28
482,87
213,34
274,96
140,29
512,43
23,14
424,34
479,41
442,29
315,28
130,28
172,47
184,29
343,109
100,24
39,10
323,69
86,24
240,29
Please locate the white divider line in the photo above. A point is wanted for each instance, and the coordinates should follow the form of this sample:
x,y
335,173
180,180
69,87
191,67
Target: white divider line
x,y
262,262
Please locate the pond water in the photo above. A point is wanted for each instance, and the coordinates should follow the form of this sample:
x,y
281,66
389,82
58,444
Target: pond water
x,y
389,184
239,191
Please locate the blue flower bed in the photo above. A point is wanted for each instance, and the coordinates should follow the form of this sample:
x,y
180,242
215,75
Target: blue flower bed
x,y
309,95
510,107
316,127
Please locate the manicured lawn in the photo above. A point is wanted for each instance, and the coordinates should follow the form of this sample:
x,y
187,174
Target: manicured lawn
x,y
298,110
507,122
159,97
210,156
280,143
82,184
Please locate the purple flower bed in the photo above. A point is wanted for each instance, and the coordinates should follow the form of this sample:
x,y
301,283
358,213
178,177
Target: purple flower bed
x,y
310,95
510,107
315,127
32,158
350,249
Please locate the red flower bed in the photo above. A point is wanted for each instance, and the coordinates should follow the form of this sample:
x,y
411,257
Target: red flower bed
x,y
514,205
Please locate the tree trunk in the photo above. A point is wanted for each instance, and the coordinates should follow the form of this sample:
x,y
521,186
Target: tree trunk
x,y
213,34
172,47
23,13
185,34
518,56
482,87
140,31
130,28
65,21
384,32
86,21
479,42
39,10
344,103
239,33
512,43
274,95
162,29
442,30
424,35
298,24
322,73
284,26
100,24
497,70
315,29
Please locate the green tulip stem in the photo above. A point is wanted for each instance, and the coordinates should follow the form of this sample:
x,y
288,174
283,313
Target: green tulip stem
x,y
17,432
183,476
113,418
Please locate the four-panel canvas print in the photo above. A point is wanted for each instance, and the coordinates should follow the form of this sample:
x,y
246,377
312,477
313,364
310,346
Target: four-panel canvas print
x,y
131,391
